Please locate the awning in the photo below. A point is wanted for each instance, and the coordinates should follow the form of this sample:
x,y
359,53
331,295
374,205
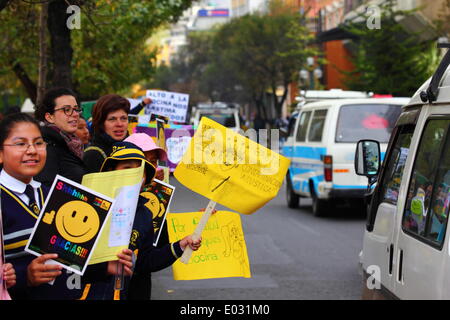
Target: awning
x,y
336,33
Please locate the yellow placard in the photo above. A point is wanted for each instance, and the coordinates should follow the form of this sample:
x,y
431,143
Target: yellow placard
x,y
223,252
231,169
108,183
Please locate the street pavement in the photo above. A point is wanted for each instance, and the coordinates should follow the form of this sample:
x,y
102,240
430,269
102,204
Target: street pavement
x,y
293,255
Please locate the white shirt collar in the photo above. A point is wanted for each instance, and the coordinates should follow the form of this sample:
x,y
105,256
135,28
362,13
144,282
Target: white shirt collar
x,y
16,185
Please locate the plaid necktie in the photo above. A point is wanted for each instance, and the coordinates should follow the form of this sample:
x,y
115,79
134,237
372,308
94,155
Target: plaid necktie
x,y
29,191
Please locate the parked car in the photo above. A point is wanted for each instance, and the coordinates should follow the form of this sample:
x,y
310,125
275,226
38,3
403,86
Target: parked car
x,y
321,147
405,251
227,114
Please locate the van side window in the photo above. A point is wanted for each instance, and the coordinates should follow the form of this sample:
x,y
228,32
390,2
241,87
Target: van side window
x,y
440,199
291,125
390,184
303,126
317,124
425,212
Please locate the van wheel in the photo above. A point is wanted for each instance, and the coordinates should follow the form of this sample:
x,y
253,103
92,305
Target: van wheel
x,y
320,207
292,198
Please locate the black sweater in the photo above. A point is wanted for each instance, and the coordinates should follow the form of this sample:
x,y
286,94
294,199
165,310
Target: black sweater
x,y
60,160
98,150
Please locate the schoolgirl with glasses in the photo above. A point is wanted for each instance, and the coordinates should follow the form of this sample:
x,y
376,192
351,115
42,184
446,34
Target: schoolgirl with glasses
x,y
23,155
60,113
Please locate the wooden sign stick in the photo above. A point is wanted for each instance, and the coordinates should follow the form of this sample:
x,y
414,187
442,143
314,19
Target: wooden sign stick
x,y
198,230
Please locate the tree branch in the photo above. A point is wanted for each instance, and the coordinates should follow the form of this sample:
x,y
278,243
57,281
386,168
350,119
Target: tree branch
x,y
3,4
28,84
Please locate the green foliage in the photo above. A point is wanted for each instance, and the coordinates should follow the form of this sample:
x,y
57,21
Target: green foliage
x,y
18,42
389,60
264,52
247,57
109,51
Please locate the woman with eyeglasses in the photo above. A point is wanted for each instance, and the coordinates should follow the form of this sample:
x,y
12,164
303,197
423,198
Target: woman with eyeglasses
x,y
110,125
60,113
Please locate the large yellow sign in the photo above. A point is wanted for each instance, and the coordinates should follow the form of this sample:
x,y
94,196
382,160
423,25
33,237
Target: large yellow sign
x,y
124,186
223,252
230,168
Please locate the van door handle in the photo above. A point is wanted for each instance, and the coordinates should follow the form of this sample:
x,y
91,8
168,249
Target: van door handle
x,y
400,266
391,258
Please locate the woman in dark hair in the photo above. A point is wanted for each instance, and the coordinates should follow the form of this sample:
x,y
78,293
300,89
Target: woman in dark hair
x,y
60,113
110,124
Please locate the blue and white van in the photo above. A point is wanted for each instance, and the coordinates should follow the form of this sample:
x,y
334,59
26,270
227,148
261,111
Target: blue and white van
x,y
321,146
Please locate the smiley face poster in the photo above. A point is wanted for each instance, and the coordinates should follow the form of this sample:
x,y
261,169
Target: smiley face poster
x,y
69,224
159,195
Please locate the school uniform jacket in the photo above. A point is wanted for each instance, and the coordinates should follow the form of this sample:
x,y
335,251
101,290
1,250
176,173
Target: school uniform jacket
x,y
18,222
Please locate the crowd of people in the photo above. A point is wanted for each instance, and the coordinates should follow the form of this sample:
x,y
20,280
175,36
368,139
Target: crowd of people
x,y
57,141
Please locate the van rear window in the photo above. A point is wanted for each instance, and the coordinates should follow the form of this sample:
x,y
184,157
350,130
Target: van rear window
x,y
366,121
226,120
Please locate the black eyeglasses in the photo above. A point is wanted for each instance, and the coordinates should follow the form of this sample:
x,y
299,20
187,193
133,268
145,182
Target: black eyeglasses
x,y
23,146
68,110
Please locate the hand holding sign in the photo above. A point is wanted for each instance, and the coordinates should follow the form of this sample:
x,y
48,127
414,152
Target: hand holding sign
x,y
39,272
198,231
229,169
69,226
9,275
223,252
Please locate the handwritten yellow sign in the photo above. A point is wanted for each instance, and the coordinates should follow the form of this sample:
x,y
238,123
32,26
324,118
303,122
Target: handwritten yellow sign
x,y
231,169
223,252
124,186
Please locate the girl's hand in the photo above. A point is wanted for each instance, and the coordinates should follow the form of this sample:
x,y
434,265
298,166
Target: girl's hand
x,y
125,259
159,174
188,241
38,272
9,275
147,101
204,209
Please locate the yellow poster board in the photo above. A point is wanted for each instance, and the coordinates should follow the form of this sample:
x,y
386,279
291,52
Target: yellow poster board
x,y
223,252
231,169
110,183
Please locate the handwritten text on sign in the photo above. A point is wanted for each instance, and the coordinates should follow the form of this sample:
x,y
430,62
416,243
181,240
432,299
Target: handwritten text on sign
x,y
223,166
223,252
170,104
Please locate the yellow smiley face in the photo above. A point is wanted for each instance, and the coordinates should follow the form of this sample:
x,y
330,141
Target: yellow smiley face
x,y
152,204
77,221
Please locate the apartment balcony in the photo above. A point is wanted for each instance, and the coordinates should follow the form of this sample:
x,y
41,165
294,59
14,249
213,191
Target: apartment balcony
x,y
341,11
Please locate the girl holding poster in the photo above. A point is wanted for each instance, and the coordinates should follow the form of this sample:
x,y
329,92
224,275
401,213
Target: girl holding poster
x,y
149,259
23,155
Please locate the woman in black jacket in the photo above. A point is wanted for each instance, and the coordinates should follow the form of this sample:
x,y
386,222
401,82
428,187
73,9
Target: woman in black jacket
x,y
110,124
60,113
